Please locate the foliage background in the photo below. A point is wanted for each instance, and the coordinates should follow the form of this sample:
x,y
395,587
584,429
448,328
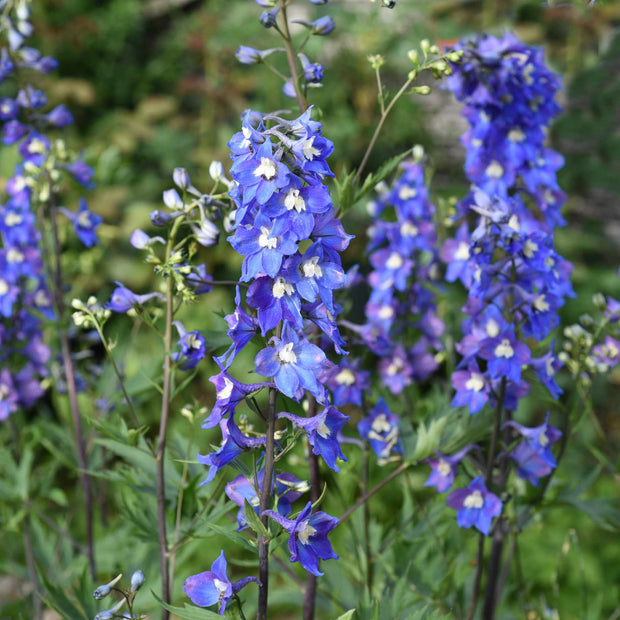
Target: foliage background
x,y
155,85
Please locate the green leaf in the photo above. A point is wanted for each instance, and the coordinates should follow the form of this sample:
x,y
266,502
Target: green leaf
x,y
59,601
344,194
347,615
253,519
374,178
428,438
232,534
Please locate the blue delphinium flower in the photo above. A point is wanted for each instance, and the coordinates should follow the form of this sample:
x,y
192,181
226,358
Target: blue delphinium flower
x,y
84,223
308,541
214,586
293,363
322,430
382,429
192,345
475,506
123,299
444,469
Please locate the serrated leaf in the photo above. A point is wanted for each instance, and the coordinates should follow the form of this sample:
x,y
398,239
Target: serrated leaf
x,y
374,178
428,438
344,194
231,534
253,520
59,601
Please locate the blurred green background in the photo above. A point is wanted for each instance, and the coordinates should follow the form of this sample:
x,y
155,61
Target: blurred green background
x,y
154,84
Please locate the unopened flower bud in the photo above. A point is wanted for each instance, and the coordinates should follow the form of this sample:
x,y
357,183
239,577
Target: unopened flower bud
x,y
103,591
181,178
172,199
216,170
137,579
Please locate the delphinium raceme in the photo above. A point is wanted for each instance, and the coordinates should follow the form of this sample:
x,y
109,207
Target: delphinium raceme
x,y
516,280
284,226
402,329
128,595
32,286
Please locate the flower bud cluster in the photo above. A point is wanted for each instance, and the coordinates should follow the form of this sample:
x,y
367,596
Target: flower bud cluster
x,y
128,595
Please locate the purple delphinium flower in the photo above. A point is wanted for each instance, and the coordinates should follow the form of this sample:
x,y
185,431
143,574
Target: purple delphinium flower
x,y
322,430
444,469
193,347
346,382
293,363
123,299
214,586
84,223
472,389
308,541
8,394
505,355
381,429
288,489
475,506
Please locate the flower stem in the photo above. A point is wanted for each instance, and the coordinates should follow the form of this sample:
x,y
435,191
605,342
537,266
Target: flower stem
x,y
265,497
163,428
488,478
315,493
362,500
290,56
57,291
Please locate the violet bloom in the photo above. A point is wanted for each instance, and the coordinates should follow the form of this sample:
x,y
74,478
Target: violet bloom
x,y
293,363
475,506
123,299
322,430
472,389
505,355
234,443
347,382
308,537
193,347
288,489
444,469
229,393
8,395
214,586
381,429
533,455
84,223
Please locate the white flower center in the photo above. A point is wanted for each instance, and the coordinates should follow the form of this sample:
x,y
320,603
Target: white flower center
x,y
311,269
406,192
612,350
308,149
513,223
543,440
495,170
4,287
266,169
345,377
281,287
386,312
381,424
475,383
4,392
549,367
395,367
530,248
220,586
516,135
41,299
19,183
409,230
293,200
492,328
323,431
475,500
36,146
14,256
13,219
395,261
305,531
226,391
286,354
541,304
192,341
444,467
462,252
504,349
265,241
83,219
